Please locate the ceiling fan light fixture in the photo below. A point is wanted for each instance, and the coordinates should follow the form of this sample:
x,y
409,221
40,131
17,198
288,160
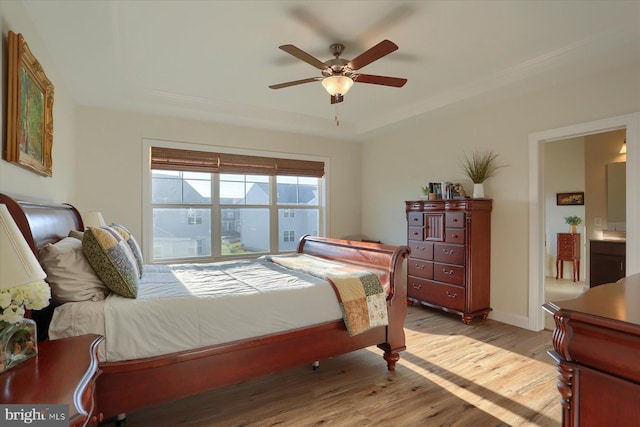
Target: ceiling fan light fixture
x,y
337,85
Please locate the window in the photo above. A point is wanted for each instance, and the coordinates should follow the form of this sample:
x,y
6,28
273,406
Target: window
x,y
231,205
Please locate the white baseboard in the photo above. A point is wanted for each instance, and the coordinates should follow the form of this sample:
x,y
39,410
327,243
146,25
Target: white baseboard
x,y
510,318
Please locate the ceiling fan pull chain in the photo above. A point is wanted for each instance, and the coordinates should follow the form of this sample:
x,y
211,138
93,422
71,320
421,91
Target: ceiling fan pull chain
x,y
336,116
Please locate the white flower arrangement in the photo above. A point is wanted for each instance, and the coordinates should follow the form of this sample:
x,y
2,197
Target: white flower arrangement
x,y
14,301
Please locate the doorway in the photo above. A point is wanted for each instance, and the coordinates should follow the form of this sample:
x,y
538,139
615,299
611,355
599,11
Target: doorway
x,y
537,219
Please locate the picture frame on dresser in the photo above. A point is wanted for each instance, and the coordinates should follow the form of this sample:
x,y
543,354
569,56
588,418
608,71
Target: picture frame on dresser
x,y
29,109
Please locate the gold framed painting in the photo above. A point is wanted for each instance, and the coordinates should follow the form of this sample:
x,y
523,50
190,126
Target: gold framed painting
x,y
29,109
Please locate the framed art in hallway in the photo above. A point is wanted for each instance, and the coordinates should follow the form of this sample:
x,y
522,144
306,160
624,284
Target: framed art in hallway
x,y
29,109
570,199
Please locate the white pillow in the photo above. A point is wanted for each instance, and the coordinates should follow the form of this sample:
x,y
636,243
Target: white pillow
x,y
69,274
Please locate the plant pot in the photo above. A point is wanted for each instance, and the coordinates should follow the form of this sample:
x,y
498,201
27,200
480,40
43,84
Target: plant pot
x,y
574,229
478,191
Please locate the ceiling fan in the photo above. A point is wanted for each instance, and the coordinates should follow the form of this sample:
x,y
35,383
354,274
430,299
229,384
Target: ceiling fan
x,y
338,74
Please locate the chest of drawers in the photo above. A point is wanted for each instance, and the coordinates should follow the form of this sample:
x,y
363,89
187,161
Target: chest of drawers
x,y
568,250
449,266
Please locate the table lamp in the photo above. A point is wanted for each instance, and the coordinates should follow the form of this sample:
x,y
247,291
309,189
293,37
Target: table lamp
x,y
93,219
18,267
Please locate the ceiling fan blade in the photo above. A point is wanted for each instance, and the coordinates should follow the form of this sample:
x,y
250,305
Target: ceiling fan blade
x,y
380,80
337,98
296,82
303,56
383,48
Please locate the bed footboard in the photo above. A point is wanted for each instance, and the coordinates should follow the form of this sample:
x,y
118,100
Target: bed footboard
x,y
385,258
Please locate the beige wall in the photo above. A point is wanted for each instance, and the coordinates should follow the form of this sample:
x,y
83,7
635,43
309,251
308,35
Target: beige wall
x,y
110,162
17,181
420,150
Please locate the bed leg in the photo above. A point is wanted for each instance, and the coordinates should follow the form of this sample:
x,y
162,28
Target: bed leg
x,y
316,365
391,359
121,420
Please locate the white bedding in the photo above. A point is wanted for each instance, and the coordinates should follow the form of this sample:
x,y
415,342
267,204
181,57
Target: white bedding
x,y
180,307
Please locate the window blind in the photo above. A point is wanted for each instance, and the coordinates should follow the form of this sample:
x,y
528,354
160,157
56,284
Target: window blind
x,y
205,161
184,160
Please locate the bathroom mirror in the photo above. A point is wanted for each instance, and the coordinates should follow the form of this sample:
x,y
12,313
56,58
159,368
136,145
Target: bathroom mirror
x,y
616,195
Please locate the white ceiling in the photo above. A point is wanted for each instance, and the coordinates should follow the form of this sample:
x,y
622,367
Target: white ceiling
x,y
214,60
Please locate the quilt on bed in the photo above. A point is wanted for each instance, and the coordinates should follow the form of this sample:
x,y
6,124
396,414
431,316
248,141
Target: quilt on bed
x,y
360,293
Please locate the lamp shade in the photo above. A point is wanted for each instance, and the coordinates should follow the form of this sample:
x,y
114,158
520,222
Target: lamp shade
x,y
18,265
93,219
337,85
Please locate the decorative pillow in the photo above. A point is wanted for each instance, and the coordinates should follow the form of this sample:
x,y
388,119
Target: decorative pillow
x,y
112,260
131,241
69,274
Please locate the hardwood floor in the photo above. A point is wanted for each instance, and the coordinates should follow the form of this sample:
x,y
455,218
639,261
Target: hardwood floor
x,y
485,374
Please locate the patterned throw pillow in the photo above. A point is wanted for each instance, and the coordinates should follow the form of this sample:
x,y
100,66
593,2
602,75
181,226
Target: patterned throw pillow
x,y
111,259
135,248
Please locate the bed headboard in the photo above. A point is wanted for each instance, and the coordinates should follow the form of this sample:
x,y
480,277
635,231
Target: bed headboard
x,y
42,223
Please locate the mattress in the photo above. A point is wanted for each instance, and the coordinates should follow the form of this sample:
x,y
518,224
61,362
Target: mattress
x,y
186,306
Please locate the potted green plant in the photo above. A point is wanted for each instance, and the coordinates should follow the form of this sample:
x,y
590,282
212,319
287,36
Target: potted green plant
x,y
480,166
573,221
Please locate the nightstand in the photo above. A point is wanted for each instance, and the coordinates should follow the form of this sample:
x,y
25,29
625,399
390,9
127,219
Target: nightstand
x,y
63,372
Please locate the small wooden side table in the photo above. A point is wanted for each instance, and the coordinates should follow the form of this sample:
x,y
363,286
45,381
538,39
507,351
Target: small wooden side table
x,y
63,372
568,250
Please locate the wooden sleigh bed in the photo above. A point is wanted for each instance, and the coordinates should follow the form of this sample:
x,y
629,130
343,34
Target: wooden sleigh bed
x,y
129,385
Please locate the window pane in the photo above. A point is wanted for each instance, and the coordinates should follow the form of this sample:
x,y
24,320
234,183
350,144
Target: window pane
x,y
244,189
295,223
181,233
181,187
167,190
245,230
297,190
196,191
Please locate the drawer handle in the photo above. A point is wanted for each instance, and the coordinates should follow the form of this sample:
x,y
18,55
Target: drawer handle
x,y
420,248
447,271
416,286
415,219
455,236
429,206
450,295
454,220
420,266
450,251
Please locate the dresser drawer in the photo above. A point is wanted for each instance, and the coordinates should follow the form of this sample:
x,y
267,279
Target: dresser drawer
x,y
420,268
564,251
416,233
452,274
415,219
454,235
454,219
422,250
436,293
450,254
